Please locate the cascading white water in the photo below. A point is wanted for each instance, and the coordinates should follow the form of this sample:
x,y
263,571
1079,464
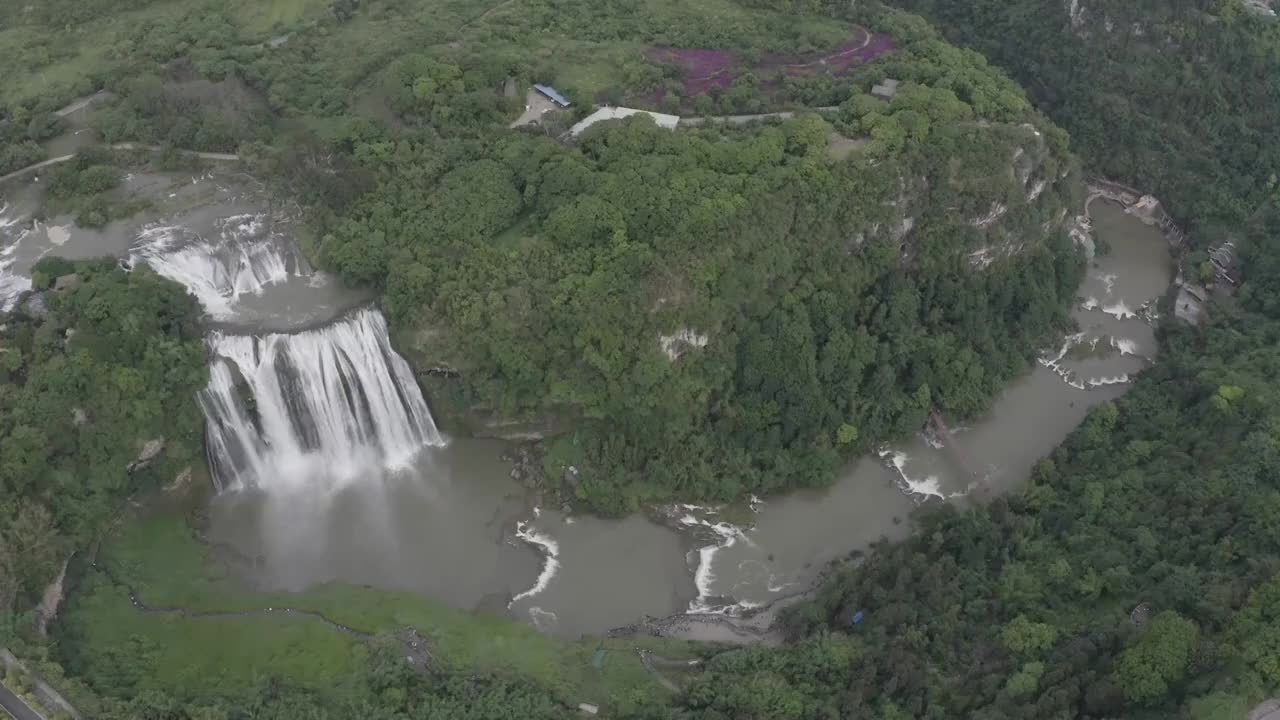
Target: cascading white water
x,y
12,285
243,260
320,407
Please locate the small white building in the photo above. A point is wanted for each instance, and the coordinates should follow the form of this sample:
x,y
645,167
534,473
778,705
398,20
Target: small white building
x,y
617,113
886,89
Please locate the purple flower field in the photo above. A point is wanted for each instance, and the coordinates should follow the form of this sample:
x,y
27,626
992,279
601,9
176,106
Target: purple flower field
x,y
705,68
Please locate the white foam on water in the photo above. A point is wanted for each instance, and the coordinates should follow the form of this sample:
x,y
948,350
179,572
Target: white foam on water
x,y
1108,280
58,234
1124,345
1108,380
704,576
774,586
544,620
243,260
242,227
12,285
6,220
551,559
919,488
1120,310
1090,303
1054,362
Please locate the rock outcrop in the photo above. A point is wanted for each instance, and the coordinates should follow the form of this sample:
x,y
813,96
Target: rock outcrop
x,y
151,450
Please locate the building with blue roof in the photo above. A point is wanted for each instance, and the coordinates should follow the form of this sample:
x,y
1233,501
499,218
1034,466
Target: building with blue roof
x,y
553,94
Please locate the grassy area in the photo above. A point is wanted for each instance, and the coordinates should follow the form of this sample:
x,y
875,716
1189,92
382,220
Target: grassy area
x,y
260,16
62,64
589,51
201,656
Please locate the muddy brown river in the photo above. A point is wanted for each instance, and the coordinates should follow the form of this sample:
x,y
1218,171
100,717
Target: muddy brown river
x,y
442,516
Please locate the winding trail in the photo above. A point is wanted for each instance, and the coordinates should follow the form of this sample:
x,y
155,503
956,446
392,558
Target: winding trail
x,y
484,15
82,103
652,661
866,40
744,119
138,603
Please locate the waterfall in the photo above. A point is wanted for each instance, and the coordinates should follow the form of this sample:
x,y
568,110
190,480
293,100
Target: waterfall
x,y
321,406
12,285
244,259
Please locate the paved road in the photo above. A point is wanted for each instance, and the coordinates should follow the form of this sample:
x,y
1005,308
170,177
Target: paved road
x,y
1269,710
15,707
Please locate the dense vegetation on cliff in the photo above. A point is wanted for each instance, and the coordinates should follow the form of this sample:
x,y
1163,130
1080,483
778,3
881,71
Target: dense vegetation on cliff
x,y
112,362
1135,577
1172,97
712,312
721,312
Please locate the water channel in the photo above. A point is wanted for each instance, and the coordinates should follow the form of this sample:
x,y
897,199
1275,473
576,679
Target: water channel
x,y
332,469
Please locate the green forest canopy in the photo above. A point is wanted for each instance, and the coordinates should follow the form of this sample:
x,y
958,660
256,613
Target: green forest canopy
x,y
718,312
116,363
1021,609
1168,95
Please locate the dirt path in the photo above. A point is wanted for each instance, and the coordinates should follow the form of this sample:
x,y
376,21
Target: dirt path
x,y
82,103
216,157
744,119
219,157
652,661
137,603
866,40
484,15
37,166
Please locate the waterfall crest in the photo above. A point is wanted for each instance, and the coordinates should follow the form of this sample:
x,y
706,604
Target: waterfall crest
x,y
320,406
244,259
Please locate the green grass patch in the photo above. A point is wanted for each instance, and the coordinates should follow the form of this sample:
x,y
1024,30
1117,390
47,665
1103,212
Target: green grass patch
x,y
273,15
201,656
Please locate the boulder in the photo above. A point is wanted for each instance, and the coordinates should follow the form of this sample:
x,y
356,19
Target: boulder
x,y
150,451
51,600
36,306
66,282
180,481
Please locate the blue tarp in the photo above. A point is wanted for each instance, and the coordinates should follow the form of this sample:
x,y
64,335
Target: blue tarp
x,y
857,617
552,93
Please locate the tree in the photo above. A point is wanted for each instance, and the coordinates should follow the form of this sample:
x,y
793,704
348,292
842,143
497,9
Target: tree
x,y
344,10
1158,659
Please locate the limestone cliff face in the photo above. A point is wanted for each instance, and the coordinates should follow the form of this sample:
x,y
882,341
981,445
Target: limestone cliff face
x,y
992,211
1153,23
